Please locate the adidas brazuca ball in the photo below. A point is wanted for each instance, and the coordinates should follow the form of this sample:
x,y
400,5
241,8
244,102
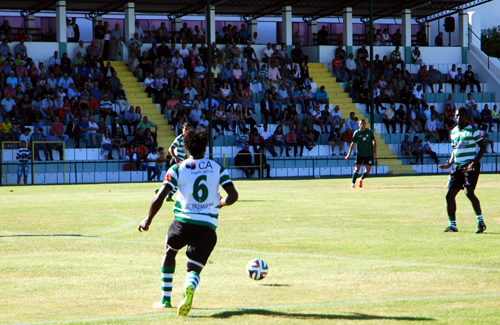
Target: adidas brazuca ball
x,y
257,269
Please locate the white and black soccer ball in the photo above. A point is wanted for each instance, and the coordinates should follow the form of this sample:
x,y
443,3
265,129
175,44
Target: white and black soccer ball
x,y
257,269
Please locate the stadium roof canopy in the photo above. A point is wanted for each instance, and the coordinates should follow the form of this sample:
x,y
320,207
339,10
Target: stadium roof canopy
x,y
307,9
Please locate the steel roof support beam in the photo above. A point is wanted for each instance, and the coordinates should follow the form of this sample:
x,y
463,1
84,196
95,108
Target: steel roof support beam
x,y
395,10
269,10
106,9
37,8
192,9
336,7
449,12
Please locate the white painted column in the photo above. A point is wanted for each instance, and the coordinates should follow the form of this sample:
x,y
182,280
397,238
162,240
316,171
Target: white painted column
x,y
29,21
287,31
212,24
427,30
406,27
252,26
177,24
347,26
312,28
129,23
61,22
463,28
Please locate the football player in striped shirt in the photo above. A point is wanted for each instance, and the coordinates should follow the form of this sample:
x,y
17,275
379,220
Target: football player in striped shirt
x,y
196,213
465,174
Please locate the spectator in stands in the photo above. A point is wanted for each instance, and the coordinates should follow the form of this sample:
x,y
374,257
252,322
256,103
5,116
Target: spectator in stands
x,y
337,67
416,56
52,137
106,107
263,78
413,119
116,125
268,53
487,117
438,41
298,55
319,119
37,136
496,117
427,149
407,148
243,160
430,128
8,106
470,104
119,141
147,124
323,36
135,45
334,140
4,49
83,132
311,132
267,140
422,78
435,77
390,119
470,79
321,96
418,97
396,56
106,143
279,140
422,38
453,78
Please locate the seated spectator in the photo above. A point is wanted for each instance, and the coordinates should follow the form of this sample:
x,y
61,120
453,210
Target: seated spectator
x,y
35,137
52,137
337,67
496,117
334,141
151,159
430,128
435,77
95,136
150,141
147,124
260,158
426,148
308,122
487,117
422,77
486,138
407,148
469,79
83,132
390,119
321,96
263,78
454,78
470,104
413,120
279,140
267,141
243,160
416,56
416,145
395,56
346,140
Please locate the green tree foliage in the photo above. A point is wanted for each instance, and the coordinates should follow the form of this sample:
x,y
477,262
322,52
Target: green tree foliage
x,y
490,41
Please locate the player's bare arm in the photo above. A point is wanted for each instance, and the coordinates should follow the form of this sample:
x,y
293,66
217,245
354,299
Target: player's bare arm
x,y
351,148
232,195
482,150
449,162
374,142
156,204
171,151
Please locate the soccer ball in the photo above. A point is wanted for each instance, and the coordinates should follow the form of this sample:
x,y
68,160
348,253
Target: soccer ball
x,y
257,269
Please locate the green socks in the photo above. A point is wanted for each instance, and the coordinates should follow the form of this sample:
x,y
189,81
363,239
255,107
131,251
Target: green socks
x,y
192,279
354,176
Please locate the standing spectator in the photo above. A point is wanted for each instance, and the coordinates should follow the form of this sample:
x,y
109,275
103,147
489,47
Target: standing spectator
x,y
76,29
99,32
151,160
322,37
135,45
70,31
23,156
115,46
438,41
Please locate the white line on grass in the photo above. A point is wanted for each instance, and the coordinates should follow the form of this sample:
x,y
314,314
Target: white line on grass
x,y
358,259
457,297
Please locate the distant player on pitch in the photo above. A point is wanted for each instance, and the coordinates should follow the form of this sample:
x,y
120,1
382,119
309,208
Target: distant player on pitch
x,y
196,213
465,174
366,152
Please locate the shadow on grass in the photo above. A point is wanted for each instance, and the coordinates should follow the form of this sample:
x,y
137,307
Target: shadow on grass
x,y
272,313
251,200
276,285
49,235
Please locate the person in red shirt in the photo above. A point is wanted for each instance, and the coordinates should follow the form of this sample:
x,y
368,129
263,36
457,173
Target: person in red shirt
x,y
58,128
346,139
142,154
337,67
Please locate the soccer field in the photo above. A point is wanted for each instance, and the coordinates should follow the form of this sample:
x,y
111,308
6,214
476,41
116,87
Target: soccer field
x,y
376,255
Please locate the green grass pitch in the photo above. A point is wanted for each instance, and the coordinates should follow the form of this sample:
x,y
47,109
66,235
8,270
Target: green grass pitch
x,y
376,255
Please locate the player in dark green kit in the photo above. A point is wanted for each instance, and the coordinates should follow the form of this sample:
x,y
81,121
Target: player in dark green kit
x,y
367,151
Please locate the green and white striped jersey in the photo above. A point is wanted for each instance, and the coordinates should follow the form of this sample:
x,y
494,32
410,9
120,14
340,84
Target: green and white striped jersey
x,y
24,155
198,181
464,144
178,145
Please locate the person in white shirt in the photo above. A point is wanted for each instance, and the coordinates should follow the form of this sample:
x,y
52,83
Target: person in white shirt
x,y
430,128
55,59
138,29
335,120
95,138
418,96
151,159
350,65
184,51
181,72
70,31
268,53
80,48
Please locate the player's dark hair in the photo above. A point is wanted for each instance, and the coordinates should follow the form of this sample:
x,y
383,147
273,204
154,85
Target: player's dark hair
x,y
188,124
462,110
196,142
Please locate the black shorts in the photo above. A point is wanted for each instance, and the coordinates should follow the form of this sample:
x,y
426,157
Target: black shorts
x,y
460,177
367,161
200,240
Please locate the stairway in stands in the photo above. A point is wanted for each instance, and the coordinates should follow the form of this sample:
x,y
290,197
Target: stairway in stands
x,y
138,97
319,74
